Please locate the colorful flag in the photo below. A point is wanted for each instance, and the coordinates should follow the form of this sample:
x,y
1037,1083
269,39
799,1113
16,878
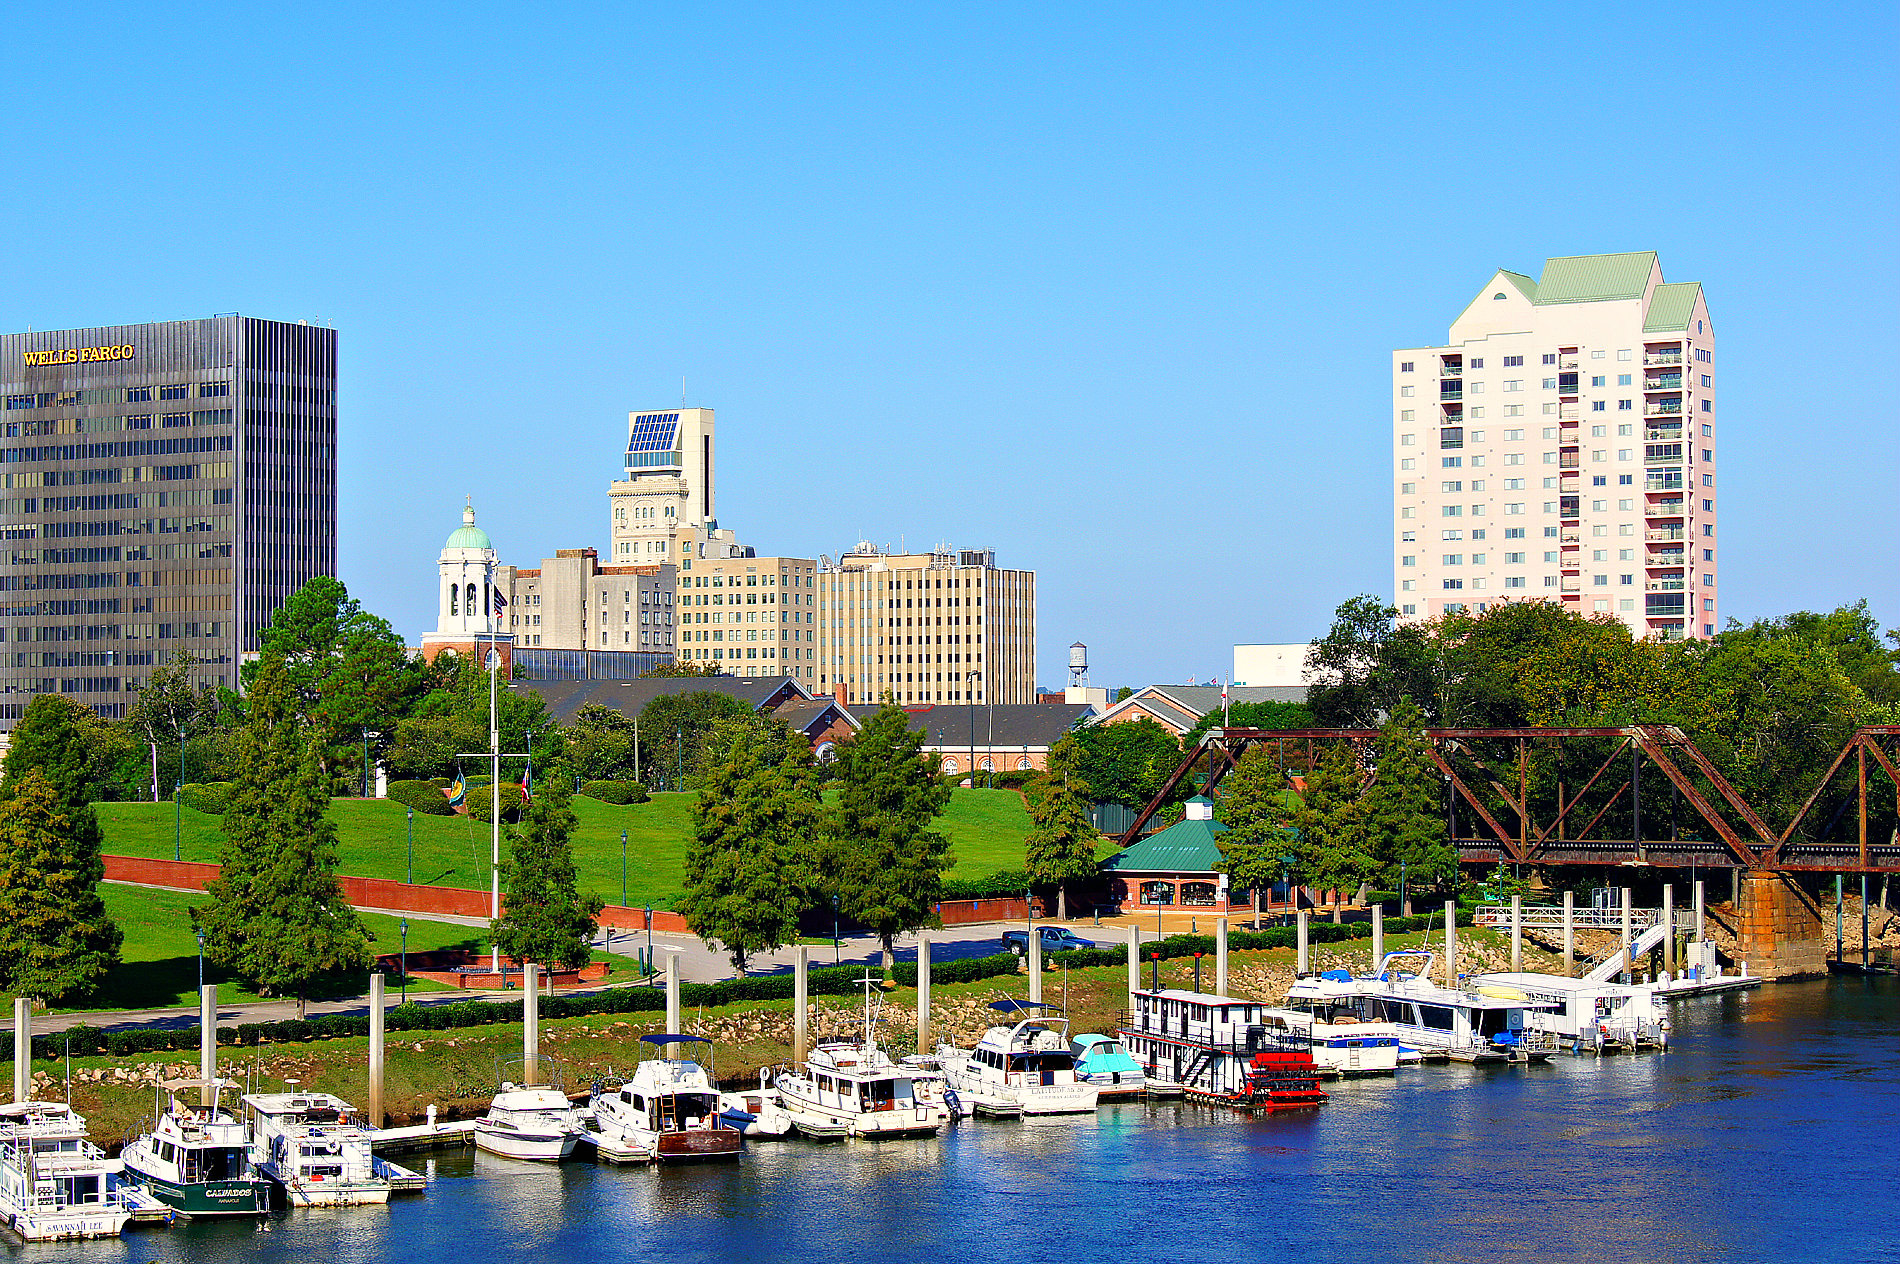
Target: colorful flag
x,y
458,790
500,601
527,782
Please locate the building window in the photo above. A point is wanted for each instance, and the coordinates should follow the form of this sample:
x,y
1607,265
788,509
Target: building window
x,y
1513,362
174,392
1454,583
1405,366
1598,405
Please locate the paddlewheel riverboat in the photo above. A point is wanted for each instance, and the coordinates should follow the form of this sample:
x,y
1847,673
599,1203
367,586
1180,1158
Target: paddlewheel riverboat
x,y
1218,1050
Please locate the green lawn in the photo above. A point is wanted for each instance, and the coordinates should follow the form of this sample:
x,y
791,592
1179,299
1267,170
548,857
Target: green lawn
x,y
985,827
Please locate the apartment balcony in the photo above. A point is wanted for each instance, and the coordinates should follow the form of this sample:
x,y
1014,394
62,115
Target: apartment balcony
x,y
1663,434
1570,584
1450,390
1659,359
1665,585
1572,537
1567,435
1450,370
1566,362
1567,412
1678,558
1568,460
1663,533
1568,390
1668,632
1662,484
1662,384
1663,509
1663,408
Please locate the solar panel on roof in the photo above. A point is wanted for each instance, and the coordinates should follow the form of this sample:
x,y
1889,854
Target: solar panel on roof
x,y
653,432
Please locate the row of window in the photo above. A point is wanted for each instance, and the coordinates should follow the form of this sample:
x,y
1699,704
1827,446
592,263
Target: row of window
x,y
1656,353
115,395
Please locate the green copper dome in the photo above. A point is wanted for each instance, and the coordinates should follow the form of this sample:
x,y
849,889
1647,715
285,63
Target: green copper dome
x,y
468,535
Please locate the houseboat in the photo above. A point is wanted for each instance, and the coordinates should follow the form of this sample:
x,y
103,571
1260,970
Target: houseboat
x,y
314,1149
1463,1024
197,1158
55,1183
538,1124
1101,1061
1341,1042
669,1111
1026,1068
1585,1016
1217,1049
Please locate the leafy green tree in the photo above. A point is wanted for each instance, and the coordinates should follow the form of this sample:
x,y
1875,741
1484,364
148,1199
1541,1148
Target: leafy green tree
x,y
1331,852
673,730
1251,715
600,743
1400,810
682,669
546,918
1060,846
885,863
1853,635
1127,763
1124,694
425,746
1365,663
170,710
71,747
276,915
1257,807
55,938
756,824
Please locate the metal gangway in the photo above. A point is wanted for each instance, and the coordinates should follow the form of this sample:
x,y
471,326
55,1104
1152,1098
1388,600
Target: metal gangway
x,y
1551,917
1620,958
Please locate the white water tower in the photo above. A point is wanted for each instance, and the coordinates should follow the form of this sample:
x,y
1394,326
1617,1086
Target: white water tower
x,y
1078,665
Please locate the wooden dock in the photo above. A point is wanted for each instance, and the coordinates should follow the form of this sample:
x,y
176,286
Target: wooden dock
x,y
439,1136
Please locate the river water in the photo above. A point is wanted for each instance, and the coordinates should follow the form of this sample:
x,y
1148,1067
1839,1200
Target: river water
x,y
1765,1133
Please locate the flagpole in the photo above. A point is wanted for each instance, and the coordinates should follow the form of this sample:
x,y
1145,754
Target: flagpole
x,y
494,782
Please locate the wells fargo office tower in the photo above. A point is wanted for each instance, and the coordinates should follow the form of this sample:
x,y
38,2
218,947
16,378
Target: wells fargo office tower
x,y
163,489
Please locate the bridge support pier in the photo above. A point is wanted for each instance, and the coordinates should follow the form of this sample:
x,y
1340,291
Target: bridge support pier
x,y
1780,929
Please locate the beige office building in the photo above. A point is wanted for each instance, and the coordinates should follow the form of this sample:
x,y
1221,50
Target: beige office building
x,y
1561,446
934,627
750,616
572,602
669,485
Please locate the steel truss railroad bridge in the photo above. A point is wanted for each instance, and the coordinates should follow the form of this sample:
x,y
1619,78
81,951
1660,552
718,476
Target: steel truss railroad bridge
x,y
1521,797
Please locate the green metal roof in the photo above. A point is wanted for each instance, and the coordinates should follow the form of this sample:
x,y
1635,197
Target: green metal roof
x,y
1671,307
468,538
1525,286
1184,847
1595,278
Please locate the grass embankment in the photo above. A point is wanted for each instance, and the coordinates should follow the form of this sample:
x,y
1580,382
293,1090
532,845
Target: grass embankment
x,y
457,1070
985,827
159,959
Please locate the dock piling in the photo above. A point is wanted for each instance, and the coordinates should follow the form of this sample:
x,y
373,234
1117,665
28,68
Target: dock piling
x,y
1034,959
376,1117
1134,964
1451,943
1629,939
1570,934
1517,933
1220,957
673,991
801,969
207,1041
1669,919
530,1024
924,1043
22,1048
1304,963
1378,936
1701,913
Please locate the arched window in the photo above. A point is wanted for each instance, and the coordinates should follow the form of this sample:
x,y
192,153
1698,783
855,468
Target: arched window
x,y
949,765
826,753
988,764
471,600
455,593
1023,764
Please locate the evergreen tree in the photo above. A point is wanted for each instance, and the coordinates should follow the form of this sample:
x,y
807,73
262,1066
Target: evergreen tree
x,y
886,863
55,938
758,814
1062,839
1401,808
1331,847
276,917
1255,806
546,919
70,746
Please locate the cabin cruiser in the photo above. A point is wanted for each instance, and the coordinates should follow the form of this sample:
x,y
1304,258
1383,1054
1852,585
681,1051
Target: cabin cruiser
x,y
1026,1068
669,1111
311,1147
55,1183
1461,1023
1342,1043
1219,1050
539,1124
854,1089
1101,1061
1589,1016
757,1112
197,1159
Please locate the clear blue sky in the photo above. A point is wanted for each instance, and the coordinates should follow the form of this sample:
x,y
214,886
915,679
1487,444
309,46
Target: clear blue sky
x,y
1109,289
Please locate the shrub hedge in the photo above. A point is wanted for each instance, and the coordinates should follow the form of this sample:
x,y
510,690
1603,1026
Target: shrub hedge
x,y
1008,884
620,792
423,796
213,797
481,802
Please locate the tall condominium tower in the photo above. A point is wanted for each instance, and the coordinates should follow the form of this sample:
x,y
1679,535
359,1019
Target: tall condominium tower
x,y
163,488
1561,446
668,488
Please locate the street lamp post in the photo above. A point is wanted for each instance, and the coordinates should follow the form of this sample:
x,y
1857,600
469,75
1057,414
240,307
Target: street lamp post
x,y
178,820
649,940
367,735
411,875
403,925
969,698
1401,887
201,959
837,949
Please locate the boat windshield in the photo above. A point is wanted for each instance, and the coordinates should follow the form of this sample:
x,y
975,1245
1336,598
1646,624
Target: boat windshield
x,y
222,1163
1041,1061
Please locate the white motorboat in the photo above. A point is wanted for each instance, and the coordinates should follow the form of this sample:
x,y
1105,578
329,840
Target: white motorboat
x,y
668,1112
538,1124
55,1183
757,1112
313,1148
854,1089
1103,1061
1026,1068
197,1157
1463,1024
1343,1044
1589,1016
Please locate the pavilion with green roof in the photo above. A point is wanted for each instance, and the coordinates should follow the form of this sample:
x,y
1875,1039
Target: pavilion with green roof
x,y
1175,867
